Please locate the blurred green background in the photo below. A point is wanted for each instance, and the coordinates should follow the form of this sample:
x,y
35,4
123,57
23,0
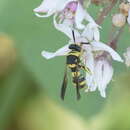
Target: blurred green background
x,y
30,85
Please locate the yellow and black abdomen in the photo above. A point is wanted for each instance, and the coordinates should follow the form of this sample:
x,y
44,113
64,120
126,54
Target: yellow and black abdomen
x,y
73,60
81,81
78,78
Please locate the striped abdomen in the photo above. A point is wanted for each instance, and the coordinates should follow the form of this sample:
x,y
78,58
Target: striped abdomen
x,y
73,60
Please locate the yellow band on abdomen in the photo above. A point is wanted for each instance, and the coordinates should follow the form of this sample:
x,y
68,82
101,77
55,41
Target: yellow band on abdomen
x,y
75,53
74,74
71,65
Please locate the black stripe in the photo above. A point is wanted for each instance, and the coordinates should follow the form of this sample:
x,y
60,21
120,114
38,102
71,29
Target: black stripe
x,y
85,43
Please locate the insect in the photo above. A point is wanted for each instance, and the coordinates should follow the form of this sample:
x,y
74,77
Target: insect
x,y
74,63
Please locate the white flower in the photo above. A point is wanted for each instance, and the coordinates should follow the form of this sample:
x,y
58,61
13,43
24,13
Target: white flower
x,y
98,79
67,13
127,57
103,73
101,69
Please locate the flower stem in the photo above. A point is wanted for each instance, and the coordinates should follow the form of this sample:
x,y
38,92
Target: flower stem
x,y
114,41
105,12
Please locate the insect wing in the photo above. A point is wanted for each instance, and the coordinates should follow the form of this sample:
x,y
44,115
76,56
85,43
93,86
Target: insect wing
x,y
64,85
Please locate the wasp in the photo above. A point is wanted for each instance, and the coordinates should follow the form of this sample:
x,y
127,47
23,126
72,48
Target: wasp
x,y
74,63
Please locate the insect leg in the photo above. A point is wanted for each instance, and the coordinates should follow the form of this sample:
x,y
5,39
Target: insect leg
x,y
77,85
85,68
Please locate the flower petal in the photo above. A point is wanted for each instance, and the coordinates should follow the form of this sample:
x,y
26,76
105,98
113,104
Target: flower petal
x,y
91,32
88,60
79,16
65,29
48,55
88,57
97,46
48,14
46,6
103,93
88,33
128,18
64,3
96,34
50,7
60,52
102,75
89,18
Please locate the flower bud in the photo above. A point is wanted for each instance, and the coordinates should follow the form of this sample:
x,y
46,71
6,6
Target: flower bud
x,y
119,20
124,8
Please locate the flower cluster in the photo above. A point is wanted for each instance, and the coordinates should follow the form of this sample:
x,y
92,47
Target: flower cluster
x,y
120,20
70,15
123,17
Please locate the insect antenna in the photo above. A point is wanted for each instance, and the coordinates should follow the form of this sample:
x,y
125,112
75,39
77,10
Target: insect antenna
x,y
64,85
73,35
